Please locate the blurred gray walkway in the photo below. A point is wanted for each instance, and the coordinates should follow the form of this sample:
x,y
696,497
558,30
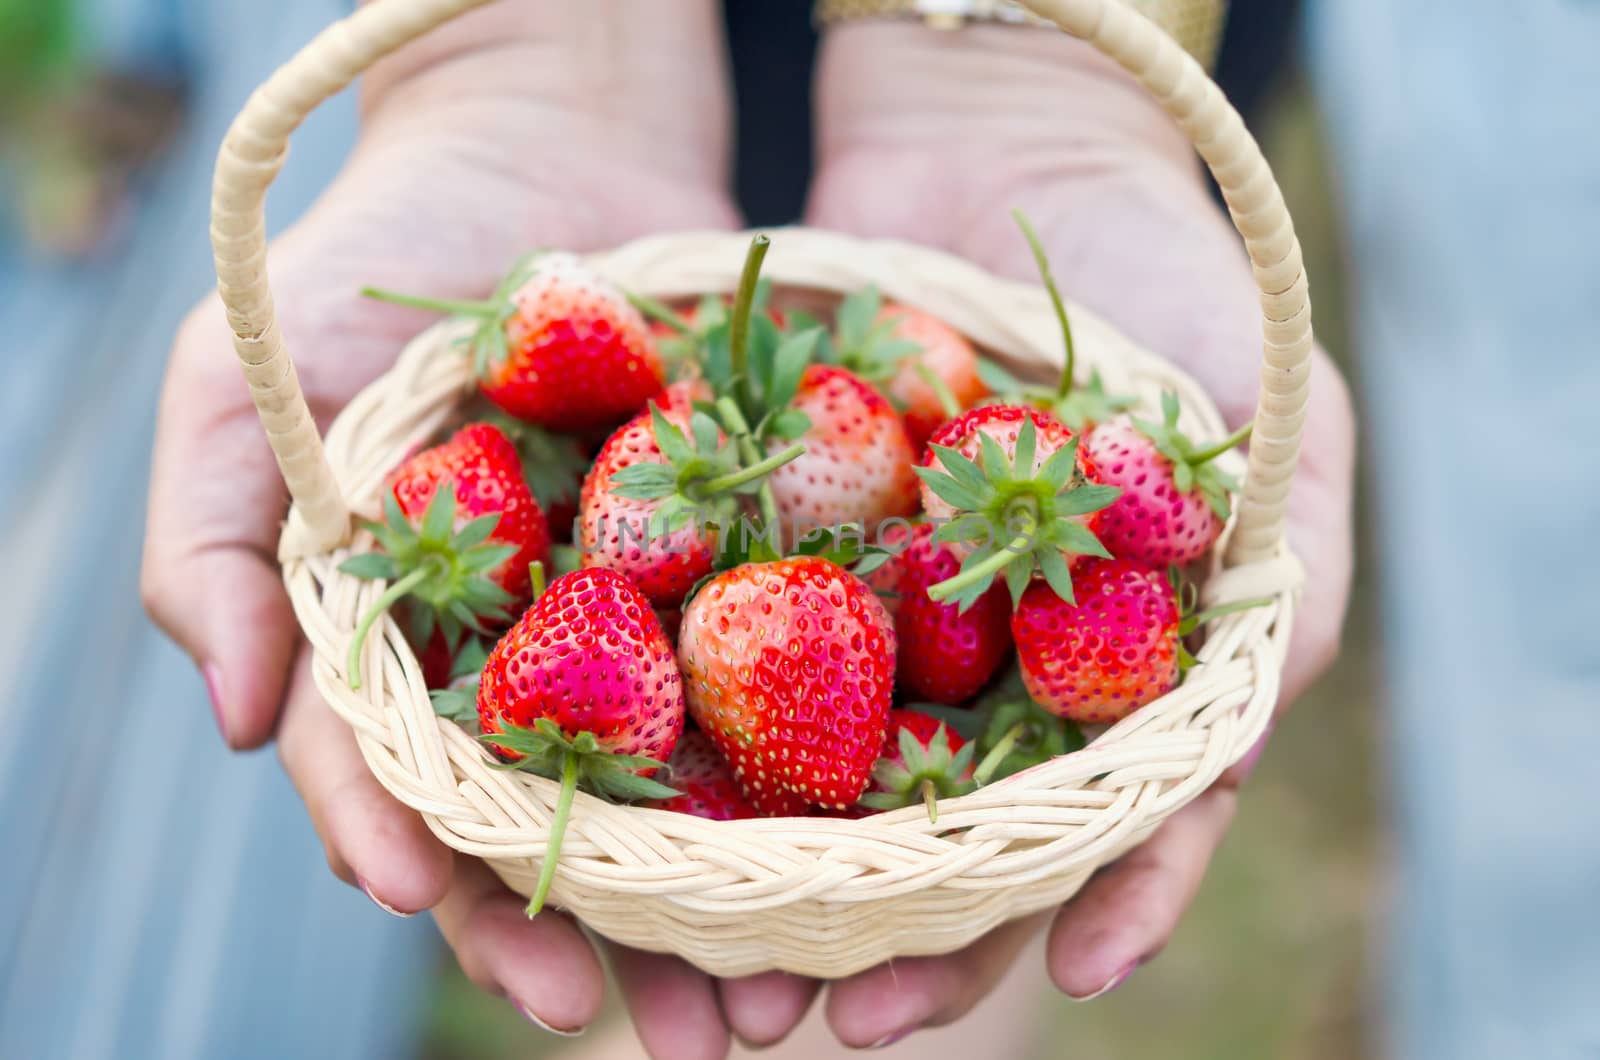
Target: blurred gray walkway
x,y
158,896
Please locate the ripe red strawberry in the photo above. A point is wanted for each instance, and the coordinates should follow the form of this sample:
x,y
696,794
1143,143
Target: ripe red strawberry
x,y
936,383
1110,653
789,669
458,556
556,345
584,689
923,761
705,781
946,655
857,467
660,487
1018,495
1174,498
554,466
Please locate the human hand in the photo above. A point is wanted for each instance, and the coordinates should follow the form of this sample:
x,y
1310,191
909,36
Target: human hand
x,y
933,137
524,124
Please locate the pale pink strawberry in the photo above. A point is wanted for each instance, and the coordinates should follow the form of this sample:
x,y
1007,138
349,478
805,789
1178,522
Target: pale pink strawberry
x,y
857,467
1174,499
945,355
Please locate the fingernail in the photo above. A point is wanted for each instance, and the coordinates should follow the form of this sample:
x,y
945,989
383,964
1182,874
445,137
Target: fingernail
x,y
213,678
890,1039
527,1014
1116,981
366,889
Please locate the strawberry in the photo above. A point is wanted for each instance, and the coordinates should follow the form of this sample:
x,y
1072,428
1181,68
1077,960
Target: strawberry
x,y
459,556
789,669
1017,494
1079,406
923,760
1114,650
925,368
945,655
556,345
1174,499
584,689
655,496
857,467
935,384
705,781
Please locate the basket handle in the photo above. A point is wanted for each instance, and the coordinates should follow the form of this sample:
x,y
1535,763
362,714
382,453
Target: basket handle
x,y
254,149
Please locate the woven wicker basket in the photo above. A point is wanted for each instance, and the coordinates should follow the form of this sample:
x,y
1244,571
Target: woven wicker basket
x,y
814,896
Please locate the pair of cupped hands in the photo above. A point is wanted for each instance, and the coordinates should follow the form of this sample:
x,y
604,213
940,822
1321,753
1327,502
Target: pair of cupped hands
x,y
583,126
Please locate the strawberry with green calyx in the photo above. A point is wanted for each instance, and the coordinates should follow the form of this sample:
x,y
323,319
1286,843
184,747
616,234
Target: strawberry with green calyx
x,y
459,532
555,344
1018,497
1175,499
658,493
789,669
857,464
925,760
705,782
927,369
584,689
1079,406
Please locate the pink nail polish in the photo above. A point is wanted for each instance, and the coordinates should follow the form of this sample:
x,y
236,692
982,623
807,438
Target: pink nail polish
x,y
366,889
527,1014
213,678
890,1039
1116,981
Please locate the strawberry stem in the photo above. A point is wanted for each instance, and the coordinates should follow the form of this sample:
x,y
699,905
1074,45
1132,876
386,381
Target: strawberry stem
x,y
455,307
1064,387
1195,621
997,754
536,578
947,400
930,799
734,479
988,566
739,324
558,829
660,311
390,597
739,428
1207,455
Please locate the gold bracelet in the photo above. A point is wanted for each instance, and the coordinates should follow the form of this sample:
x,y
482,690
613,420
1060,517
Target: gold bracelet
x,y
1195,24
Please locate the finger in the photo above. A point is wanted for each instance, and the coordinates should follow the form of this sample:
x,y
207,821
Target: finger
x,y
372,841
883,1004
210,578
544,966
672,1004
1126,913
763,1009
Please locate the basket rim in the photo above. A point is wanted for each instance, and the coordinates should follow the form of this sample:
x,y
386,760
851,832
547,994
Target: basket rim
x,y
1089,329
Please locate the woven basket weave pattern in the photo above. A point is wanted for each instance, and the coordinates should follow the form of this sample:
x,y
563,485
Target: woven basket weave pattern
x,y
814,896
